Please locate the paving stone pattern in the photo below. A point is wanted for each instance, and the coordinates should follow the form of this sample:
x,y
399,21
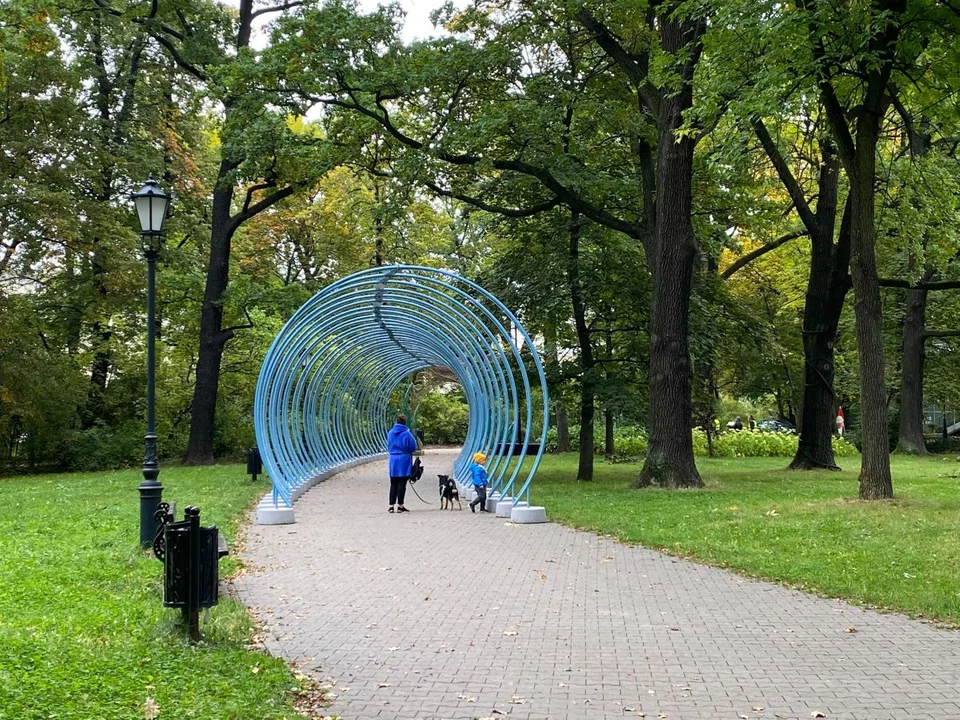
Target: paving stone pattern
x,y
451,615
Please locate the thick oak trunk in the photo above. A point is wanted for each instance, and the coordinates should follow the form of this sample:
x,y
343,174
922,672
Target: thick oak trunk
x,y
826,289
911,385
875,480
212,337
669,462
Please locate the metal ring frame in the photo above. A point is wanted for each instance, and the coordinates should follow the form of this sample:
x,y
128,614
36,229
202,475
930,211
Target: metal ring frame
x,y
323,397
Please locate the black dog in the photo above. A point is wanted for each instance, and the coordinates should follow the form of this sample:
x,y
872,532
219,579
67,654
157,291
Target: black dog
x,y
449,493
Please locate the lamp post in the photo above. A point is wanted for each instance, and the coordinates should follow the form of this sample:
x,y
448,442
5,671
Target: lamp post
x,y
152,204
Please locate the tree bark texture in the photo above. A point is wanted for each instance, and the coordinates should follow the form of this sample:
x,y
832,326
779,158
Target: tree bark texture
x,y
669,462
911,385
587,394
875,479
826,289
212,337
563,427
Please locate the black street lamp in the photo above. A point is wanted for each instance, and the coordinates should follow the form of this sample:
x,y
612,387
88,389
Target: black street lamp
x,y
152,204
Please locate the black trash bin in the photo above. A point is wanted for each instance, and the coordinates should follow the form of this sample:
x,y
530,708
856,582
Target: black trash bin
x,y
254,463
191,572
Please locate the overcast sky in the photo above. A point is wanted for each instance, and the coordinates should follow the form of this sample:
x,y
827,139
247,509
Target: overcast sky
x,y
417,23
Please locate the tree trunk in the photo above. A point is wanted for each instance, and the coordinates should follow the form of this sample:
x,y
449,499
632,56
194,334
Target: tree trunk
x,y
911,386
212,337
875,480
563,428
826,289
608,445
669,462
585,467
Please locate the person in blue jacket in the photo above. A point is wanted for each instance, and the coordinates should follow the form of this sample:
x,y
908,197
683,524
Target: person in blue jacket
x,y
478,474
401,444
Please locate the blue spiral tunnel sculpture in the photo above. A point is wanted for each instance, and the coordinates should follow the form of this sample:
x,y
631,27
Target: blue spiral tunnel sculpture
x,y
344,364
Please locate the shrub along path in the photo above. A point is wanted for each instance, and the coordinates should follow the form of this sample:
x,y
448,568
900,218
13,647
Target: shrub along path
x,y
452,615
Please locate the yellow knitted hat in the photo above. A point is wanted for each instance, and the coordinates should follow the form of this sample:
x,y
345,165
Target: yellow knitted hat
x,y
479,457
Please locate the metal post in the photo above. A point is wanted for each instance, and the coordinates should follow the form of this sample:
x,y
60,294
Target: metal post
x,y
150,489
192,609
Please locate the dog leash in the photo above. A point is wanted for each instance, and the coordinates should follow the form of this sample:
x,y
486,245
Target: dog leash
x,y
414,488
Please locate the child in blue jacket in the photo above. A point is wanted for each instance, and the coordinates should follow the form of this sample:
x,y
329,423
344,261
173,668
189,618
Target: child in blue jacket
x,y
478,474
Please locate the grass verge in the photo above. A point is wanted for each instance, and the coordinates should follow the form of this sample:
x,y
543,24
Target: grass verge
x,y
803,529
83,633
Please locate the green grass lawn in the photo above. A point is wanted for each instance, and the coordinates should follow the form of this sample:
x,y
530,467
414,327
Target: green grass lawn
x,y
806,530
83,633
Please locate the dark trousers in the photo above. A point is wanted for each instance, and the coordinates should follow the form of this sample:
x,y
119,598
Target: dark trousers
x,y
481,497
398,489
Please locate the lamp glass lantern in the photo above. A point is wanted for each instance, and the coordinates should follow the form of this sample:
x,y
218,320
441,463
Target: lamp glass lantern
x,y
152,204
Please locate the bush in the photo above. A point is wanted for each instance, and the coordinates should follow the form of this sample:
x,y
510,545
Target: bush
x,y
104,448
631,442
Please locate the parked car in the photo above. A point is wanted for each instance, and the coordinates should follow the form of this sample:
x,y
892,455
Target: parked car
x,y
774,425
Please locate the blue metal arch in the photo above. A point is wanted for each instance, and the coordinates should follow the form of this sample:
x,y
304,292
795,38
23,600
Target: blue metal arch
x,y
323,395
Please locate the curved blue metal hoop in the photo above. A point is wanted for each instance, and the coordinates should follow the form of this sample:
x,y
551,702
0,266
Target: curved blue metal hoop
x,y
323,395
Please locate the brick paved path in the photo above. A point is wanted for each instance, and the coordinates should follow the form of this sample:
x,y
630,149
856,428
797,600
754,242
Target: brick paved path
x,y
452,615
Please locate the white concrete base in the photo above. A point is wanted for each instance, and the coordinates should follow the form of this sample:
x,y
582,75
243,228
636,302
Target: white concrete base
x,y
492,500
528,515
504,507
270,514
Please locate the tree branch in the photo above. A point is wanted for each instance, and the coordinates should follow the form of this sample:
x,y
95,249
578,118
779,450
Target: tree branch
x,y
940,333
499,210
631,65
277,8
907,285
228,333
807,217
257,208
178,59
761,251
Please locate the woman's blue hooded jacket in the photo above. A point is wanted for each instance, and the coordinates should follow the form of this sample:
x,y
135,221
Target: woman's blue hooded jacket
x,y
401,444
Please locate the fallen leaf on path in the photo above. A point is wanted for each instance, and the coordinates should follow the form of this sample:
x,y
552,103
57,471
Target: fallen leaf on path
x,y
510,633
817,714
608,559
757,708
543,576
850,629
384,685
517,700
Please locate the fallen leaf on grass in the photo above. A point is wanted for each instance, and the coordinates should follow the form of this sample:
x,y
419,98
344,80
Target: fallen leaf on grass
x,y
150,709
255,669
773,513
